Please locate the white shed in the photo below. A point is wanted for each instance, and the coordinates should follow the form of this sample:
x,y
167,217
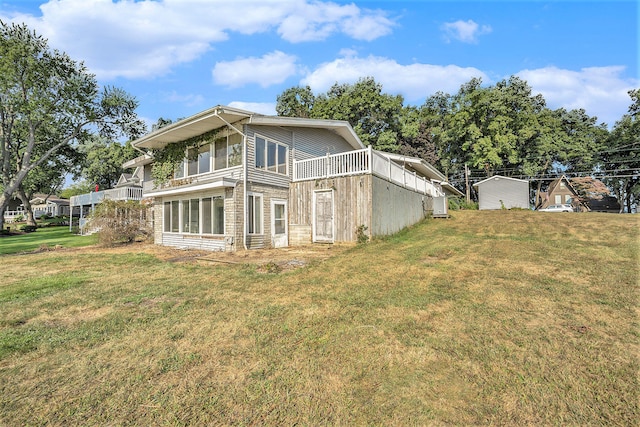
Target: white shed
x,y
502,192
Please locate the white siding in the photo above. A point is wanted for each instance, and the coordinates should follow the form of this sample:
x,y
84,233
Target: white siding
x,y
387,216
496,192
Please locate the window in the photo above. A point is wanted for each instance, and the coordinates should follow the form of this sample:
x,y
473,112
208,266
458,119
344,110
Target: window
x,y
260,147
179,172
199,216
194,216
213,215
221,153
254,212
206,216
279,220
218,215
204,159
235,149
171,217
228,151
175,216
167,217
185,216
200,161
271,156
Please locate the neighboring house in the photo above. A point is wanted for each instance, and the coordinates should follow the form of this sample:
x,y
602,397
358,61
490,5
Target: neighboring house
x,y
264,181
14,210
502,192
561,192
49,205
41,204
129,187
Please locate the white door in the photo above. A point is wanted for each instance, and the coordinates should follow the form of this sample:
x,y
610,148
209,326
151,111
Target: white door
x,y
323,216
279,235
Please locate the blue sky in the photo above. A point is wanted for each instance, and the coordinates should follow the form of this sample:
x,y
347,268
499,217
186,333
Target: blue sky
x,y
179,57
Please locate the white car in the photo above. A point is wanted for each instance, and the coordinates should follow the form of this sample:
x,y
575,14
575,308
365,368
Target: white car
x,y
557,208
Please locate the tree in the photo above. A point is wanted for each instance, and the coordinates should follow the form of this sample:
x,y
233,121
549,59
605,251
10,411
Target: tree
x,y
295,102
48,102
621,158
103,159
373,115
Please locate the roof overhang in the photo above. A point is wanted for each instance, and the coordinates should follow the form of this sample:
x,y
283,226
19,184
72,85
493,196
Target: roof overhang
x,y
499,177
220,116
138,161
340,127
450,190
419,165
185,189
190,127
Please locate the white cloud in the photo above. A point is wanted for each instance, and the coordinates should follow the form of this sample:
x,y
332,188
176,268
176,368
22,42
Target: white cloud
x,y
272,68
600,91
319,20
464,31
190,100
266,108
413,81
133,39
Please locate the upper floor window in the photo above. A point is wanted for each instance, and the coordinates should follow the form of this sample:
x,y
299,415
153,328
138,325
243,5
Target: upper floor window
x,y
224,152
271,155
200,161
228,151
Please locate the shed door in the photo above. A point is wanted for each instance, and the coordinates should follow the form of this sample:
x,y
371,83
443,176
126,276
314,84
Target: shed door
x,y
323,216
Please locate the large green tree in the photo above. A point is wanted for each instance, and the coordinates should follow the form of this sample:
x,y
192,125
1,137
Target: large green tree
x,y
620,160
295,102
102,160
49,101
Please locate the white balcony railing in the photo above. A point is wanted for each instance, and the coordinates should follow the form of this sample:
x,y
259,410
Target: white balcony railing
x,y
360,162
95,197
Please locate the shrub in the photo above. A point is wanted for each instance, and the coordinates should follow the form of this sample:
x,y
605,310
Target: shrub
x,y
361,234
120,221
28,228
459,203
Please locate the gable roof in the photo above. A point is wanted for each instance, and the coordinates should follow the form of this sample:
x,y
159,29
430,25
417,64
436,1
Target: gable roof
x,y
221,116
556,182
494,177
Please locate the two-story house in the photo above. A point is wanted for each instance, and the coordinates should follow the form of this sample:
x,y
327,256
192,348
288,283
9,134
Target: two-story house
x,y
265,181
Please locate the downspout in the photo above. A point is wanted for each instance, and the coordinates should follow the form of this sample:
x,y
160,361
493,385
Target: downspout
x,y
244,178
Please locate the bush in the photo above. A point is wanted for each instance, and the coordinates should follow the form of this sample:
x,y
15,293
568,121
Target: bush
x,y
28,228
459,203
361,234
120,222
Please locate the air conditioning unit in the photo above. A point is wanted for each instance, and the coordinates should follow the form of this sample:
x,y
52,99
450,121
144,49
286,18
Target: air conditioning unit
x,y
440,207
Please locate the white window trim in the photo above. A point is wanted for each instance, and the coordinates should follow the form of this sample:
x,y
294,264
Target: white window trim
x,y
266,167
273,217
261,231
181,218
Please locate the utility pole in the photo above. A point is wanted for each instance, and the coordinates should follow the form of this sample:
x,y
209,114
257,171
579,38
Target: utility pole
x,y
466,178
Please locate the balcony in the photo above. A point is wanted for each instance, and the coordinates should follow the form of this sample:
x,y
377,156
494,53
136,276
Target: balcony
x,y
365,161
95,197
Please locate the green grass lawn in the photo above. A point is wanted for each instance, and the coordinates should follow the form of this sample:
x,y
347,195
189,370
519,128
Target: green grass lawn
x,y
47,237
487,318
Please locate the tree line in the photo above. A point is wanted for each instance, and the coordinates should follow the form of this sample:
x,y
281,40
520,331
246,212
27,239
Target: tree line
x,y
493,129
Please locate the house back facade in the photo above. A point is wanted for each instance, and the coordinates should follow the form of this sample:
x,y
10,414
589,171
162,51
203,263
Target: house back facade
x,y
256,181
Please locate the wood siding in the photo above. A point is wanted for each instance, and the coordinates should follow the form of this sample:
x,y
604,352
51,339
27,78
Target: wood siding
x,y
352,206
